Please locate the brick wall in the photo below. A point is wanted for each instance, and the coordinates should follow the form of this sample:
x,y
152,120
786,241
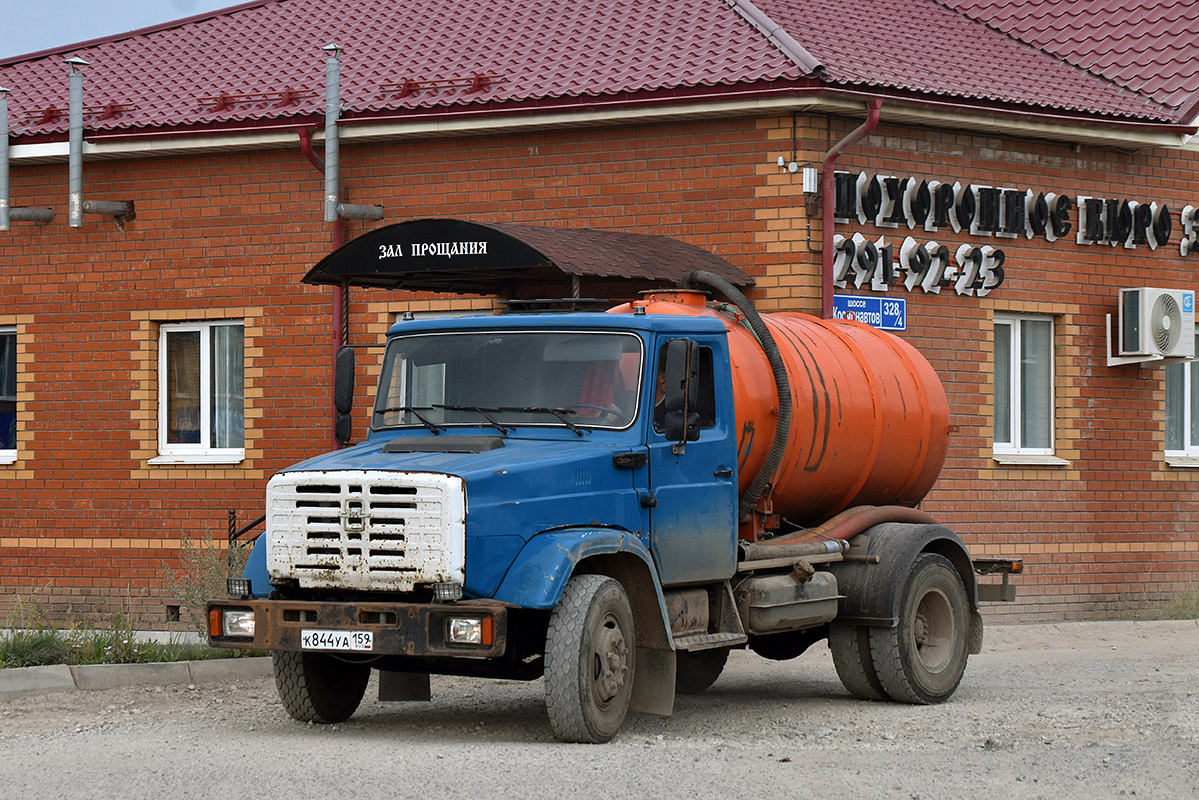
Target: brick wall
x,y
1112,528
88,525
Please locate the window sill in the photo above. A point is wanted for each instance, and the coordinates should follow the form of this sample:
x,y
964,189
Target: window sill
x,y
1029,460
8,457
1172,461
198,458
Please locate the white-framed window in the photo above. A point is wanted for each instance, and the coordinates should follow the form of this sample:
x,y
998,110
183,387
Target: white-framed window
x,y
1024,403
201,392
1182,410
8,395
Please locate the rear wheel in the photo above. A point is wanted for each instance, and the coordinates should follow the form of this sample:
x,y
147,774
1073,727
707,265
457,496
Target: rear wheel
x,y
922,659
589,655
855,666
696,671
318,687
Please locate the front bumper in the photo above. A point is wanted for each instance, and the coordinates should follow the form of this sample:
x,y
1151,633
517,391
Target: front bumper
x,y
403,629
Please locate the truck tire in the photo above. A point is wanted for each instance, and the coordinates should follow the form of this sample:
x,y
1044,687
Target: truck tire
x,y
922,658
318,687
850,645
589,655
696,671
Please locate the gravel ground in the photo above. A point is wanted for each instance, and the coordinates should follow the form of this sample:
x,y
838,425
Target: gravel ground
x,y
1089,710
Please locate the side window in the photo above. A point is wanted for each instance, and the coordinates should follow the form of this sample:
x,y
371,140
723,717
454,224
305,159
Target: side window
x,y
704,403
8,392
201,391
1182,409
1024,402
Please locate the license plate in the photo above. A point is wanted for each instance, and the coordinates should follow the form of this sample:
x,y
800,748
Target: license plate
x,y
363,641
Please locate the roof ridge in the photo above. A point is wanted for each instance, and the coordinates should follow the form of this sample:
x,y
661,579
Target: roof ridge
x,y
116,37
1076,64
777,35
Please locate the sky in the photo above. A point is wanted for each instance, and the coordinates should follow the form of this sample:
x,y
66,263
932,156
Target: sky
x,y
27,26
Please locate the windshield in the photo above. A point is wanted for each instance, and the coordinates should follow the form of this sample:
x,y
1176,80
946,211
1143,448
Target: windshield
x,y
497,379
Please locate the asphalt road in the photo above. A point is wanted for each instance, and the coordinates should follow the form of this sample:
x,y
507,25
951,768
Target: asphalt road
x,y
1086,710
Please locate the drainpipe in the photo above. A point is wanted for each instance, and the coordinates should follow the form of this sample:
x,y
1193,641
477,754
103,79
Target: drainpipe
x,y
335,211
339,305
7,212
75,162
828,198
334,208
76,205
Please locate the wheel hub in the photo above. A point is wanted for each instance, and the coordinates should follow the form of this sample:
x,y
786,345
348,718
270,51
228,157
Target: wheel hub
x,y
611,660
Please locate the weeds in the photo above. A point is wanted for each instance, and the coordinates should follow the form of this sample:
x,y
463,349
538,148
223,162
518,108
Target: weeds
x,y
1185,605
205,564
31,641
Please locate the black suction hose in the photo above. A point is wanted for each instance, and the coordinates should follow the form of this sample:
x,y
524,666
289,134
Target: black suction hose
x,y
782,385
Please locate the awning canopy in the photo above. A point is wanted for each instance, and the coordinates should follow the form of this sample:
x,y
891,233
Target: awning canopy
x,y
453,255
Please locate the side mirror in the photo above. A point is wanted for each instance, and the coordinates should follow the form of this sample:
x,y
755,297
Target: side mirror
x,y
675,430
343,394
343,380
680,423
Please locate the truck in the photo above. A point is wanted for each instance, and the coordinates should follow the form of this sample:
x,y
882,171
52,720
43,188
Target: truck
x,y
613,502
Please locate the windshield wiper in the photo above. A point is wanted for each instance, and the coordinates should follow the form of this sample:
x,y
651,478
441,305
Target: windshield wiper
x,y
437,429
482,412
560,413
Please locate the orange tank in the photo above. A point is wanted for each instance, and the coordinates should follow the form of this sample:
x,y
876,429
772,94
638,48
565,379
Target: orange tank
x,y
869,418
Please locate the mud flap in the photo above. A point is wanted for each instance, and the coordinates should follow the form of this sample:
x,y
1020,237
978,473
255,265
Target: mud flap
x,y
976,632
653,682
397,687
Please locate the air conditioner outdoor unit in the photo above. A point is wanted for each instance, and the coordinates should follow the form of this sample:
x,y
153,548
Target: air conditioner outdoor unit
x,y
1157,322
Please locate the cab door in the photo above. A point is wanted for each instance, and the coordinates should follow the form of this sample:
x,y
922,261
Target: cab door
x,y
693,484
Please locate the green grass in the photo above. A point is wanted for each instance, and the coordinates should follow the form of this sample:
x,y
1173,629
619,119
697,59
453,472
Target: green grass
x,y
30,641
1185,605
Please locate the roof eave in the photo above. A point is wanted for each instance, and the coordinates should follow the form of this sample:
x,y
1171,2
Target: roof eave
x,y
759,99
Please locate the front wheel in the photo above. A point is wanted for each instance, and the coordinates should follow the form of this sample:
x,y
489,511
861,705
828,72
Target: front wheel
x,y
318,687
589,654
922,659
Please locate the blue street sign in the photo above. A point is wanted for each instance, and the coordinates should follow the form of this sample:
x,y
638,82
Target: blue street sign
x,y
884,313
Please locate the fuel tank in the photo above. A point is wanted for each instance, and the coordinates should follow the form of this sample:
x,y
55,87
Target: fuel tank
x,y
869,418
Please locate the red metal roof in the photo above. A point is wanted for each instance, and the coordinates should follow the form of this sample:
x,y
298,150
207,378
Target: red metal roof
x,y
922,47
259,64
1147,46
262,61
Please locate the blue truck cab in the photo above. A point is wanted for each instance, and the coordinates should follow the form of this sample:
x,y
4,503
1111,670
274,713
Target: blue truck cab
x,y
507,459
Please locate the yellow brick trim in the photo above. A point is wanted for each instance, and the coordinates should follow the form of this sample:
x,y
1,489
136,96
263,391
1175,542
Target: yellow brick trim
x,y
1016,549
21,468
80,543
145,373
1067,379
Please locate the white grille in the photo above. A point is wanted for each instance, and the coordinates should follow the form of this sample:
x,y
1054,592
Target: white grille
x,y
367,529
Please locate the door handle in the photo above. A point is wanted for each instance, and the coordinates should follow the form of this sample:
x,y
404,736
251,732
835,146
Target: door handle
x,y
723,472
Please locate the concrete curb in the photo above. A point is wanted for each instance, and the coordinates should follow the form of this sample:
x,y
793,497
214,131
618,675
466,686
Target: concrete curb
x,y
91,677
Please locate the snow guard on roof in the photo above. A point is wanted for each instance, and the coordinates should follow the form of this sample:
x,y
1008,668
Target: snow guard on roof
x,y
454,255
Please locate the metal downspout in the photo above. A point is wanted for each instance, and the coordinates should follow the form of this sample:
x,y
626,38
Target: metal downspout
x,y
332,144
75,160
120,211
828,202
7,212
338,227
